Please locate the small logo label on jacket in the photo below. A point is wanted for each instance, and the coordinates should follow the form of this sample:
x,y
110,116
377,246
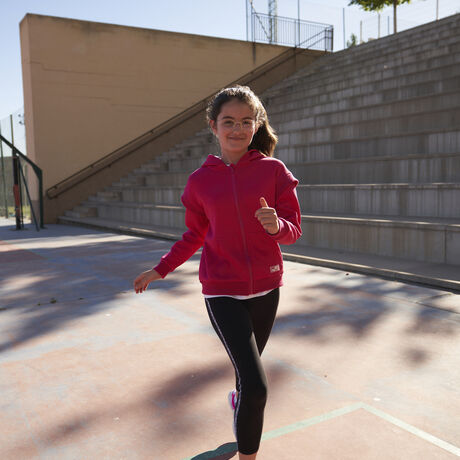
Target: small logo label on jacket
x,y
274,268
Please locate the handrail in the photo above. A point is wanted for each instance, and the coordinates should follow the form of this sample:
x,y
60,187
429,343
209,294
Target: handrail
x,y
38,171
288,28
319,35
129,148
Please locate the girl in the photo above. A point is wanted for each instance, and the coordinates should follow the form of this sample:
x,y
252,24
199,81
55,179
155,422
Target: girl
x,y
239,207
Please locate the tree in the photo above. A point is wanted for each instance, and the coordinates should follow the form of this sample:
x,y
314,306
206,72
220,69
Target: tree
x,y
378,5
353,41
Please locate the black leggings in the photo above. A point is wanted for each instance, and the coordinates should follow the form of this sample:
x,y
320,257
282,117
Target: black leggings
x,y
244,326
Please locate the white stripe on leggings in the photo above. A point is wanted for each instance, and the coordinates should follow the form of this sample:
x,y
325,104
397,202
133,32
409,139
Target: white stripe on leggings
x,y
231,358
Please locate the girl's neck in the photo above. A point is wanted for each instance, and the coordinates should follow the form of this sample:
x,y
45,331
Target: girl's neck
x,y
232,158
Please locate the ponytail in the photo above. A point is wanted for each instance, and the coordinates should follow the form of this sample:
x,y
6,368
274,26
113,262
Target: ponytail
x,y
264,139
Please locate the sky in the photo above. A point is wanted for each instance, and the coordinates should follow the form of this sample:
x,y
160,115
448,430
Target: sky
x,y
219,18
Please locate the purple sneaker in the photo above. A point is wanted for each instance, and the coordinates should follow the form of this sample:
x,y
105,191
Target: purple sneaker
x,y
232,400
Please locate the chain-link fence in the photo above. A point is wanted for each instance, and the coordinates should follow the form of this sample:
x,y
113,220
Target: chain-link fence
x,y
352,21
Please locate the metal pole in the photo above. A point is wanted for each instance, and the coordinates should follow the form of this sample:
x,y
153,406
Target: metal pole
x,y
360,32
247,22
32,212
12,131
437,10
40,194
17,183
17,191
379,26
298,22
343,28
3,177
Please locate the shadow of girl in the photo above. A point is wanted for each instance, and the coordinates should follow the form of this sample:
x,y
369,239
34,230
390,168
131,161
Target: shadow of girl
x,y
223,452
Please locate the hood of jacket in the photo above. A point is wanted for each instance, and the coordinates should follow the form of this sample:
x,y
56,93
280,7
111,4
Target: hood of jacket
x,y
214,161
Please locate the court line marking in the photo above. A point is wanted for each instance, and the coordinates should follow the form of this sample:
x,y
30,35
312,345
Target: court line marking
x,y
377,412
352,408
412,429
310,421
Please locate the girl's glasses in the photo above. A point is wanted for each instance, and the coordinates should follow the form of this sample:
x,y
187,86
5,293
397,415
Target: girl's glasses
x,y
245,125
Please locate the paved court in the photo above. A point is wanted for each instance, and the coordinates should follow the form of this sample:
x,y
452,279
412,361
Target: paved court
x,y
358,367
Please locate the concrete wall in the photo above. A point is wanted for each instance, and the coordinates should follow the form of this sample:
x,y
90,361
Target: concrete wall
x,y
90,88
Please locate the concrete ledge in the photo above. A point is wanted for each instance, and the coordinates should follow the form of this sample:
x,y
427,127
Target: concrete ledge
x,y
427,274
384,170
441,276
123,227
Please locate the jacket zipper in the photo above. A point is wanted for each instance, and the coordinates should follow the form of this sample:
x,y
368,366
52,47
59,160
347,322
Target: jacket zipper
x,y
242,229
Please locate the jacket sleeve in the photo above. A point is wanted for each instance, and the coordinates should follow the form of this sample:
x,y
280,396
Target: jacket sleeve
x,y
288,209
197,224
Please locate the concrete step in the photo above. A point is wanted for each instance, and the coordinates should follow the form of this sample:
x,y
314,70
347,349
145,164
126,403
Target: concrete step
x,y
134,178
375,91
174,179
423,50
299,147
150,167
381,170
322,81
293,148
390,48
436,168
409,74
128,228
419,123
153,195
417,108
354,98
143,213
113,194
444,276
202,137
199,145
396,45
408,200
189,164
333,67
425,240
83,210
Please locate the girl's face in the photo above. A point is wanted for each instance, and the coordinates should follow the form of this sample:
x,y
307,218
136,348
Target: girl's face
x,y
235,127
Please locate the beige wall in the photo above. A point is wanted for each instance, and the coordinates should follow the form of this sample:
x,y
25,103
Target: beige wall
x,y
89,88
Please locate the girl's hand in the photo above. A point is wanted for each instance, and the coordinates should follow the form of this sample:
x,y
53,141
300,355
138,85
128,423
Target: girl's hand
x,y
268,217
143,280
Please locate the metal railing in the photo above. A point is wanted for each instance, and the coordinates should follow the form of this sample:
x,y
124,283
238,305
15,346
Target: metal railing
x,y
279,30
20,180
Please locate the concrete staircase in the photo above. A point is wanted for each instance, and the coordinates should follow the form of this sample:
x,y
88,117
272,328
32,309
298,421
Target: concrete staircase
x,y
373,135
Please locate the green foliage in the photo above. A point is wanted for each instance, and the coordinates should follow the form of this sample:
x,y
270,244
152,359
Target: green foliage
x,y
353,41
376,5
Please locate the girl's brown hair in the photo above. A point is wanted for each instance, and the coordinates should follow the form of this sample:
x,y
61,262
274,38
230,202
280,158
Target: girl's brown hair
x,y
264,139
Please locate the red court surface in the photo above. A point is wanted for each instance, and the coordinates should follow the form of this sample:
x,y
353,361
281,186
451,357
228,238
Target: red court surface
x,y
359,368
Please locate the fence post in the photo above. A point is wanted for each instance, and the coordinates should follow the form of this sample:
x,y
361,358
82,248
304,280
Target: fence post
x,y
298,23
3,177
17,192
40,195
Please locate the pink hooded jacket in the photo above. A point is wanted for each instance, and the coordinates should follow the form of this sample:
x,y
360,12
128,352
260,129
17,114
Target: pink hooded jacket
x,y
239,257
